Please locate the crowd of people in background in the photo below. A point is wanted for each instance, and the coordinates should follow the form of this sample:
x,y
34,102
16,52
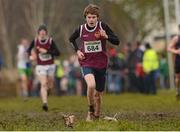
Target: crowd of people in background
x,y
135,67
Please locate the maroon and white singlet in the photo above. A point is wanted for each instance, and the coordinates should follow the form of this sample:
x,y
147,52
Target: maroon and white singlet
x,y
44,58
94,47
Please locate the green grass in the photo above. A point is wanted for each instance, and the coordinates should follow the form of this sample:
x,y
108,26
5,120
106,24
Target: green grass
x,y
134,112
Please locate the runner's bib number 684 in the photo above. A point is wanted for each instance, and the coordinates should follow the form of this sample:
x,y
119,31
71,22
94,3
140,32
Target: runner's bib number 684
x,y
92,46
45,56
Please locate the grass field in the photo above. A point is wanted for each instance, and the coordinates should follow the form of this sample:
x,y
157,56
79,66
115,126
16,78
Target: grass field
x,y
135,112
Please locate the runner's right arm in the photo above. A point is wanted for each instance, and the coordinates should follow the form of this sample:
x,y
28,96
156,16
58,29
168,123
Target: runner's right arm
x,y
30,48
73,38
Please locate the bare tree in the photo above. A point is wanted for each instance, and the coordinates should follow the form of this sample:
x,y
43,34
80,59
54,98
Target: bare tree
x,y
4,34
34,13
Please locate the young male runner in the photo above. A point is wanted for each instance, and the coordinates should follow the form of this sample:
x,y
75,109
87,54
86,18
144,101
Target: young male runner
x,y
92,56
44,51
174,47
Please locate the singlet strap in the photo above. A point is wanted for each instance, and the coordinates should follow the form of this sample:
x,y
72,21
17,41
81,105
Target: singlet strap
x,y
50,40
100,25
35,41
81,27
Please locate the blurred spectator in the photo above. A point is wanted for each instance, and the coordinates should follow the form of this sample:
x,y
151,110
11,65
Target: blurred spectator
x,y
64,79
114,78
23,66
59,73
78,77
71,77
138,57
74,78
131,65
150,66
123,70
163,68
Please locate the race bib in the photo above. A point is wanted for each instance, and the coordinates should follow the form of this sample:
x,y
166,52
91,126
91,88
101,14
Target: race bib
x,y
92,46
45,56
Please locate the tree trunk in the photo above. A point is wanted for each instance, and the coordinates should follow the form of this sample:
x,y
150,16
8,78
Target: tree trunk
x,y
5,38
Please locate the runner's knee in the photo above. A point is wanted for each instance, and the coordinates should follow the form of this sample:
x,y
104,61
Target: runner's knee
x,y
97,95
44,85
91,86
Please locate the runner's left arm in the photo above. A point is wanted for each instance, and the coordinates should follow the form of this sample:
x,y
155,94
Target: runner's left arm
x,y
111,36
53,50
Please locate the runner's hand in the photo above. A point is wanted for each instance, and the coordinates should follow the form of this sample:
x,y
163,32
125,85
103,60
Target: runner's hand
x,y
33,55
177,51
32,58
80,55
103,34
42,50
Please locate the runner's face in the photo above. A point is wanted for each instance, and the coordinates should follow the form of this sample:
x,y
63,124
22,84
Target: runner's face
x,y
42,34
91,20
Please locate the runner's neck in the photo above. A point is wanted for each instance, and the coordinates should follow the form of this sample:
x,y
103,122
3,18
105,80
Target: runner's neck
x,y
89,28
